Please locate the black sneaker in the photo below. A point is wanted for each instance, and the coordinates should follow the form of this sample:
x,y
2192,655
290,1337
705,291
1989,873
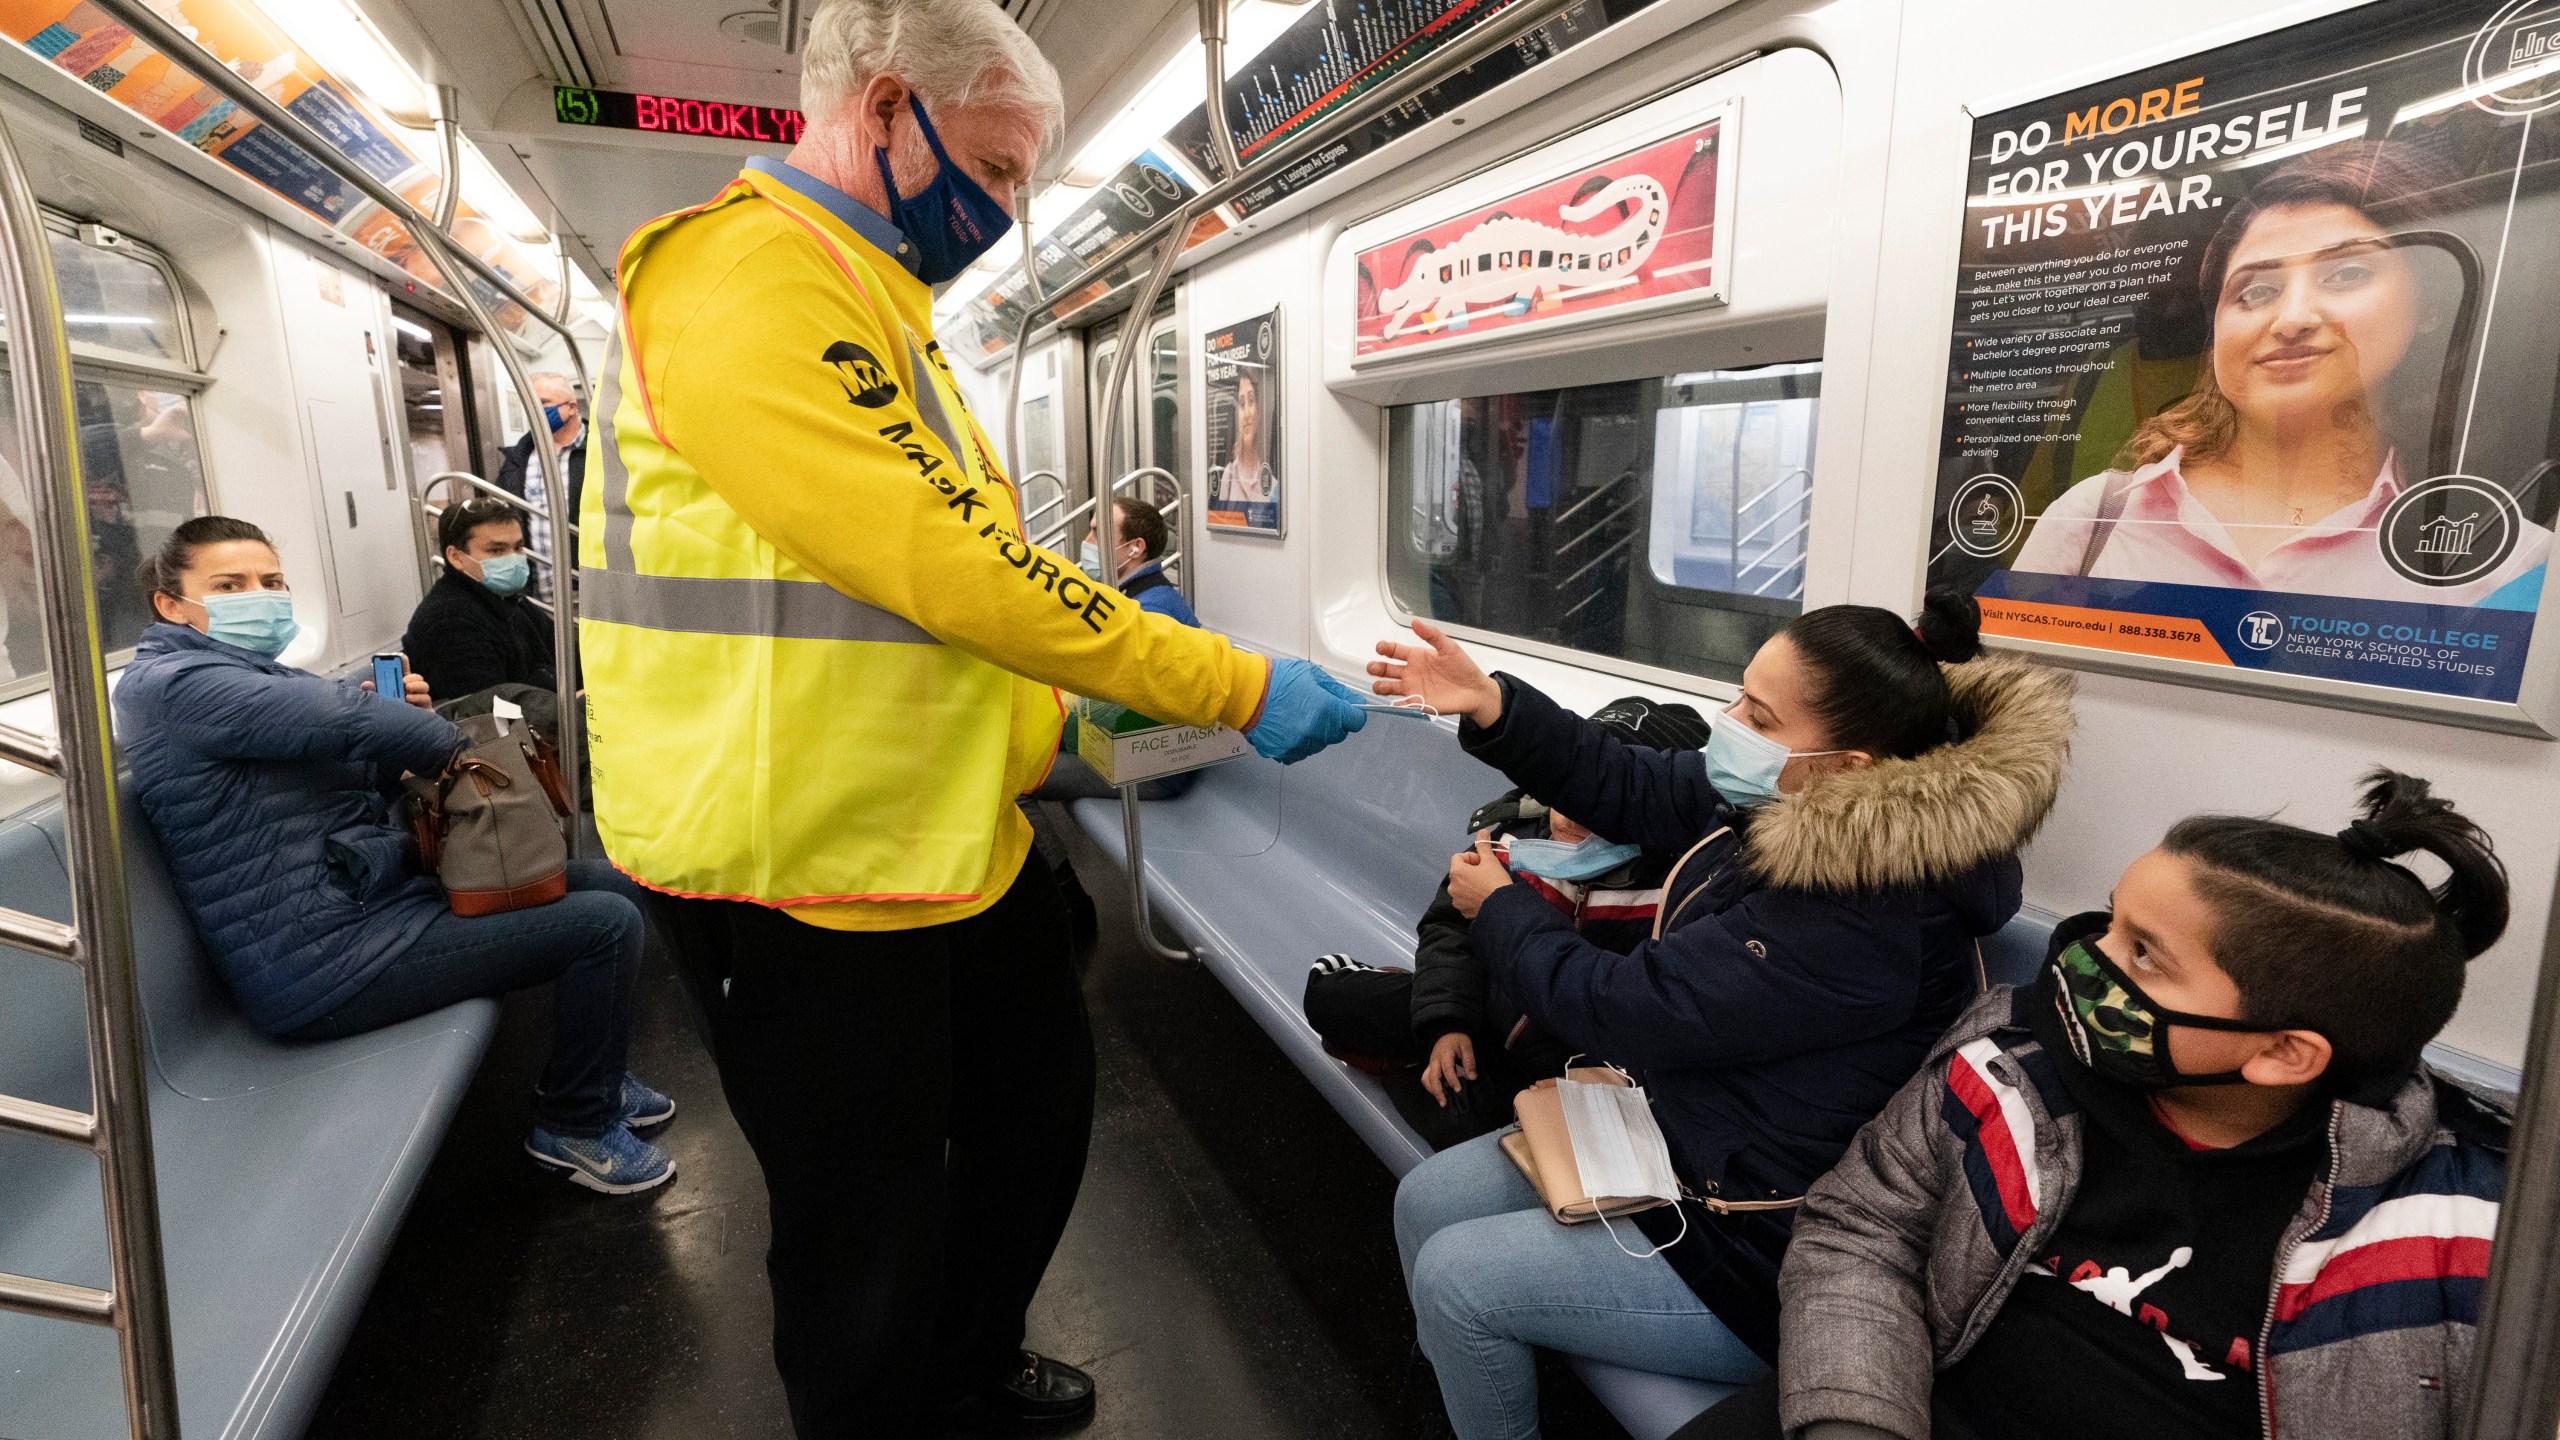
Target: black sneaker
x,y
1044,1392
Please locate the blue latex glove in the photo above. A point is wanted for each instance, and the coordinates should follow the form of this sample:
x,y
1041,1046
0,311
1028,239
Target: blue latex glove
x,y
1304,711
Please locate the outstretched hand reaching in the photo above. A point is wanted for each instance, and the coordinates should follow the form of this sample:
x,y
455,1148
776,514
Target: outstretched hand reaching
x,y
1439,672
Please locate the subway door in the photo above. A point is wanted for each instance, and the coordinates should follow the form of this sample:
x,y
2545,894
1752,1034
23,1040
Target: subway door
x,y
339,338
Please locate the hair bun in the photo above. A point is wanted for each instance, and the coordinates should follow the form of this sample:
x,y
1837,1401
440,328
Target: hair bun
x,y
1949,627
2401,814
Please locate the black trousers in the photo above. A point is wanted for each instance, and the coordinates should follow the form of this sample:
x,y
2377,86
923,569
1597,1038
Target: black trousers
x,y
920,1102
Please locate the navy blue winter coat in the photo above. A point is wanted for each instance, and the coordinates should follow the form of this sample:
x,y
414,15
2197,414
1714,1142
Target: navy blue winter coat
x,y
269,788
1808,952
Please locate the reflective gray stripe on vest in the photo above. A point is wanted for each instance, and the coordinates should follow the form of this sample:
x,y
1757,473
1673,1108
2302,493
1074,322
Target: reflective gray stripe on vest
x,y
774,609
617,478
929,407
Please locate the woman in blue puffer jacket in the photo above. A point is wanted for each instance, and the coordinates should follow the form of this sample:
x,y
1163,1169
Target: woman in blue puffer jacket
x,y
1850,829
270,787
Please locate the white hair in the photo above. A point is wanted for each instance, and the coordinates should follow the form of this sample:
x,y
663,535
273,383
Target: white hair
x,y
955,53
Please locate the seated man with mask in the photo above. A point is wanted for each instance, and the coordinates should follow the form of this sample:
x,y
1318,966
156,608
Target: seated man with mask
x,y
474,629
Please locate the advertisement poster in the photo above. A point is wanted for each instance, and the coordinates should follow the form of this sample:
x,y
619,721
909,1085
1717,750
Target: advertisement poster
x,y
1118,211
1636,231
2256,358
85,42
1245,493
1336,52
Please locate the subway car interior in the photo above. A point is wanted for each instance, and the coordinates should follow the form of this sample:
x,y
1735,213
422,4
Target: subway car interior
x,y
1768,577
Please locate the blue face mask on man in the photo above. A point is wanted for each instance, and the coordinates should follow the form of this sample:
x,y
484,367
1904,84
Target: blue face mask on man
x,y
1089,560
258,621
504,574
952,220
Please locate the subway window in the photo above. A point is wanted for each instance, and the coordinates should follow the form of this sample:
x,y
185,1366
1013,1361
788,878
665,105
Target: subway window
x,y
1660,522
134,388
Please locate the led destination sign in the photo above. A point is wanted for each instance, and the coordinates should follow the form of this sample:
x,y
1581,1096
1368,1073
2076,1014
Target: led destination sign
x,y
674,115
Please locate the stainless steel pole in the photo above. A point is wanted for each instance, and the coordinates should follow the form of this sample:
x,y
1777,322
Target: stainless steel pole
x,y
1213,40
555,505
449,132
2514,1383
119,1076
1039,297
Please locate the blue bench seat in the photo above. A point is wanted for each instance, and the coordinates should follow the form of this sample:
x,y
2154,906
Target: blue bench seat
x,y
1262,868
284,1168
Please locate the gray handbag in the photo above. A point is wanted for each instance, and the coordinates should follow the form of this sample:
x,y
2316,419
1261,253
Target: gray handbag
x,y
490,826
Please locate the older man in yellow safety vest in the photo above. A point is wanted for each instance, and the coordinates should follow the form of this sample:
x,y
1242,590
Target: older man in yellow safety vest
x,y
822,661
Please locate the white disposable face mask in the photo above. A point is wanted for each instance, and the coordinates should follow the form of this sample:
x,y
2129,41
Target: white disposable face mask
x,y
1618,1150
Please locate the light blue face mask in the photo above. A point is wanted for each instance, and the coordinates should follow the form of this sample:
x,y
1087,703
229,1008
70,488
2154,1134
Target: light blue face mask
x,y
1744,764
1089,560
1590,859
258,621
505,574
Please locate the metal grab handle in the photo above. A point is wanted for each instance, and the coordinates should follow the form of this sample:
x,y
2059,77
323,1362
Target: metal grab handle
x,y
100,936
1138,884
426,495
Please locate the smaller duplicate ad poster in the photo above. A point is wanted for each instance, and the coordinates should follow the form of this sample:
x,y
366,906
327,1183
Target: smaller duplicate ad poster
x,y
1243,381
1639,231
2256,358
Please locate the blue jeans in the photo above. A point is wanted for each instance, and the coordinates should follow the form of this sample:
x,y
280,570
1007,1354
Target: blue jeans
x,y
1492,1275
589,942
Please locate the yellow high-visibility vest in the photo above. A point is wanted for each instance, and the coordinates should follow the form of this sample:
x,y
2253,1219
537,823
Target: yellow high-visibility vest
x,y
821,658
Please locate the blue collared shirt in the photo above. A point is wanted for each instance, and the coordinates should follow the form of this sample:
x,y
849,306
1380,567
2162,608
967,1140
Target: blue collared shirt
x,y
866,222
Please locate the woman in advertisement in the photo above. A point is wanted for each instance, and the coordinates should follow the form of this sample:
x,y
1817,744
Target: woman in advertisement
x,y
2305,422
1247,477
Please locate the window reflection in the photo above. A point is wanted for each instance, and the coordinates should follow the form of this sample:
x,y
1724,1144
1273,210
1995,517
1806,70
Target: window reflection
x,y
120,301
144,475
1661,521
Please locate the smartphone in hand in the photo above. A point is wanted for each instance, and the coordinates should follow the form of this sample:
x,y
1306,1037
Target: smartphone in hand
x,y
391,678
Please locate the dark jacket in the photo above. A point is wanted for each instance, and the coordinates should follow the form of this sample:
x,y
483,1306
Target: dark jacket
x,y
1906,1250
516,458
268,789
464,639
1810,951
1614,912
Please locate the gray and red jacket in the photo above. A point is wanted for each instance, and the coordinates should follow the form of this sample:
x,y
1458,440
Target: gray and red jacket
x,y
1906,1250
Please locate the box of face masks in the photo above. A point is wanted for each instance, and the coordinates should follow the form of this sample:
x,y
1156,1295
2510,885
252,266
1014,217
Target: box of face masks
x,y
1125,747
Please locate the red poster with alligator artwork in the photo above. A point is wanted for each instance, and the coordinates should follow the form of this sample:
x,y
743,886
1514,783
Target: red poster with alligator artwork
x,y
1639,229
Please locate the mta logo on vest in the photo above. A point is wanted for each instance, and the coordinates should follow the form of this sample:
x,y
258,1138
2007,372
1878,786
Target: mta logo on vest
x,y
859,372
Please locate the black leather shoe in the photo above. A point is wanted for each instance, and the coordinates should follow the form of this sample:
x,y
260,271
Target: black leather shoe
x,y
1044,1392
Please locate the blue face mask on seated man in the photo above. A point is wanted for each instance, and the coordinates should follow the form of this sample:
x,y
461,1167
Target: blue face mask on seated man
x,y
258,621
505,574
952,220
1589,859
1744,764
1089,560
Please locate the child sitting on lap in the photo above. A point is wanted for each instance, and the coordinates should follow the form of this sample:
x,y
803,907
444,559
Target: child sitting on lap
x,y
2194,1182
1474,1050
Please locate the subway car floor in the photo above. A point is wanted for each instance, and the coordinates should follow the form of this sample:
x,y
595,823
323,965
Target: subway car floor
x,y
1230,1272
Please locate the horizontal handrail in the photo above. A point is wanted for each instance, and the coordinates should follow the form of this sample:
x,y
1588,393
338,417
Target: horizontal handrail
x,y
53,1300
1578,506
426,493
1754,532
1598,526
34,1117
34,932
1775,486
1594,562
26,747
1779,573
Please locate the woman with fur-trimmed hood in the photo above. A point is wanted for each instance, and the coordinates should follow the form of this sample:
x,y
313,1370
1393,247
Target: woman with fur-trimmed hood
x,y
1849,832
